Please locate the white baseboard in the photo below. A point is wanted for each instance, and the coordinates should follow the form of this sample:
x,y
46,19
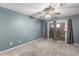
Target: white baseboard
x,y
20,45
76,44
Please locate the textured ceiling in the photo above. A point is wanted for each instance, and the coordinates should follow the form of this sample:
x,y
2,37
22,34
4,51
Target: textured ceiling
x,y
68,9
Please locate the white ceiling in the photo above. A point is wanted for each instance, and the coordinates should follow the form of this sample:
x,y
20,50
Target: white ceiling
x,y
67,9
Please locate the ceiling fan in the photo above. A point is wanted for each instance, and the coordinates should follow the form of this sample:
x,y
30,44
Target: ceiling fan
x,y
49,11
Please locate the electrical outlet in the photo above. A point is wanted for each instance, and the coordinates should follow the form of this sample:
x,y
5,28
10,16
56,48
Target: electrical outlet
x,y
19,41
11,43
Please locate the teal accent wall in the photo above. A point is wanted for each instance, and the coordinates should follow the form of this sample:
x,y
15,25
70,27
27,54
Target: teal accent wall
x,y
17,29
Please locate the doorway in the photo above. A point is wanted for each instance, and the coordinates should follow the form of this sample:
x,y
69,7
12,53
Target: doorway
x,y
57,30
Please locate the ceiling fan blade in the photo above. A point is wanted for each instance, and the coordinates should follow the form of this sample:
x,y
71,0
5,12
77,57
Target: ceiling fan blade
x,y
38,13
61,4
58,13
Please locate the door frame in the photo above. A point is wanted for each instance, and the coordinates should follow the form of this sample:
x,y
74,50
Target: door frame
x,y
58,21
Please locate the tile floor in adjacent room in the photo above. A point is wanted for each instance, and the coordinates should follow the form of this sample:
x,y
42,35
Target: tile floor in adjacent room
x,y
44,47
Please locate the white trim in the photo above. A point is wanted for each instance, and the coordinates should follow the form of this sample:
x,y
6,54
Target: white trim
x,y
20,45
43,29
65,28
47,30
76,44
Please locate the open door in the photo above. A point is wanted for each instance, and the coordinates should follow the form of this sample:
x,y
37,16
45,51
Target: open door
x,y
57,30
51,30
60,31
